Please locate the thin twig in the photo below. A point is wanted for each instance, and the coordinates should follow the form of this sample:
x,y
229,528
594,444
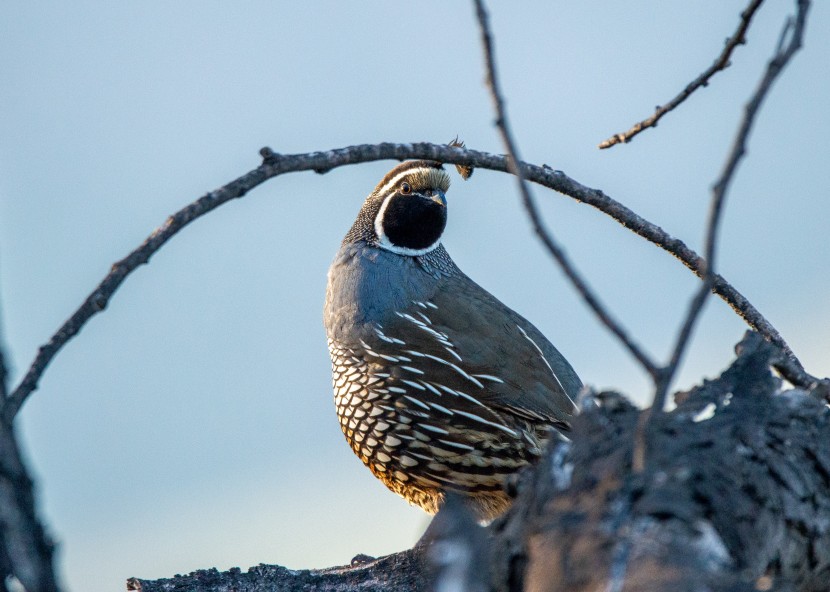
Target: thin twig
x,y
321,162
530,204
721,63
781,58
783,55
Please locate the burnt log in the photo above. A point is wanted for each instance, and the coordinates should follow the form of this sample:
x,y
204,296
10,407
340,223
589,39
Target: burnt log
x,y
734,496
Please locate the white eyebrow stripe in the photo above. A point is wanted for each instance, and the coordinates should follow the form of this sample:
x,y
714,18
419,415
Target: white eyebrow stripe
x,y
394,180
544,359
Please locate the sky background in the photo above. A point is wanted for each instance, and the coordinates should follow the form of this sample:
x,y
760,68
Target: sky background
x,y
192,425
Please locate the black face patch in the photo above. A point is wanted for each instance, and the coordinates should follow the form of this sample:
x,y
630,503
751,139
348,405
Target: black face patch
x,y
413,221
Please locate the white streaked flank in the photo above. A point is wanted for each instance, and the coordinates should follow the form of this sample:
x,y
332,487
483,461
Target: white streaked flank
x,y
480,419
434,429
440,408
453,352
544,359
432,388
416,402
475,381
489,377
458,445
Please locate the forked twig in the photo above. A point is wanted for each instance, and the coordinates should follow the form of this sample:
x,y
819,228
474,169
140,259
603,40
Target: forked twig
x,y
789,43
721,63
533,212
794,29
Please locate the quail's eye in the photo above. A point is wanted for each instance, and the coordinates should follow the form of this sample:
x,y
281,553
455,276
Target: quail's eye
x,y
406,188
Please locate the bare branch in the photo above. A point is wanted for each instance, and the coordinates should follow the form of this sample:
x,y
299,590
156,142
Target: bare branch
x,y
533,212
321,162
25,551
783,54
21,533
4,374
721,63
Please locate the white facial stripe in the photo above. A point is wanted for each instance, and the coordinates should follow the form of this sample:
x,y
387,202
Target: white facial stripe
x,y
384,241
396,179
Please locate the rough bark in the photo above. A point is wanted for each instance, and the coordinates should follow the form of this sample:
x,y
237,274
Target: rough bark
x,y
735,495
401,571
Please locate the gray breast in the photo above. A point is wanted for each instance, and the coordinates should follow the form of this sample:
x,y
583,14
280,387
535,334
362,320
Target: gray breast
x,y
366,285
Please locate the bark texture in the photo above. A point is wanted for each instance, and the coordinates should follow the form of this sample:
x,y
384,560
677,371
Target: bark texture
x,y
735,496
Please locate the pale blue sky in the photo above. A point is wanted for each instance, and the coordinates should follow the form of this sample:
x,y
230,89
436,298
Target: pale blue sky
x,y
192,424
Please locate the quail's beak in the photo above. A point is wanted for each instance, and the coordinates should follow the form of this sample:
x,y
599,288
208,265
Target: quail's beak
x,y
439,197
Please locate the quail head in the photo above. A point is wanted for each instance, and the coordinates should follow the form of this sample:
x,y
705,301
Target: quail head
x,y
439,387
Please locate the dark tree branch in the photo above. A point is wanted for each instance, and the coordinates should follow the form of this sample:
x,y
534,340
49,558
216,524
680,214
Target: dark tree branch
x,y
4,388
783,55
321,162
23,540
737,498
24,550
402,571
4,372
721,63
533,211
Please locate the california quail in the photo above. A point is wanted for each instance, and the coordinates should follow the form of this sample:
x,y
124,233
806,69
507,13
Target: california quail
x,y
438,385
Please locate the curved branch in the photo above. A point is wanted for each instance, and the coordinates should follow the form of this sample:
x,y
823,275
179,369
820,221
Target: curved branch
x,y
721,63
275,164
